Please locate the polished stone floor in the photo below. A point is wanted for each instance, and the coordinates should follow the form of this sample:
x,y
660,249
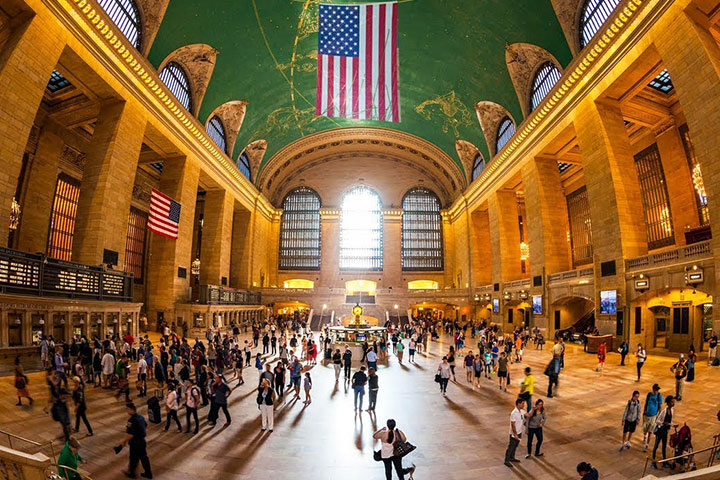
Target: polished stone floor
x,y
461,436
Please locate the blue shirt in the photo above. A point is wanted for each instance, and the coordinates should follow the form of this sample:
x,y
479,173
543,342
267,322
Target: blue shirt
x,y
652,404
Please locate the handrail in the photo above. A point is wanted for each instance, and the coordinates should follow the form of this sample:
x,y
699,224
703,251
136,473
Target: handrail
x,y
27,440
715,447
82,474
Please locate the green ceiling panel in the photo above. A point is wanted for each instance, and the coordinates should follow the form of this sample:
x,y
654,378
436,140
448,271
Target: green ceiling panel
x,y
452,54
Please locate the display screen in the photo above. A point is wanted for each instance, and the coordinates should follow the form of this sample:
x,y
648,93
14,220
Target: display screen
x,y
537,304
496,305
608,302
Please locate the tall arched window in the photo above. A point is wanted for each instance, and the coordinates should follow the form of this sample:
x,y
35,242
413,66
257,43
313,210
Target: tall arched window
x,y
125,14
545,79
244,164
361,230
478,166
422,245
505,133
175,78
594,14
300,230
217,132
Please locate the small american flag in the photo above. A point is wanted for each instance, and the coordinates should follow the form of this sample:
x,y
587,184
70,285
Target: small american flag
x,y
357,73
164,215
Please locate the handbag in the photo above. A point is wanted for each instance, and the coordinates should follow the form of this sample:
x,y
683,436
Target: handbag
x,y
402,448
377,456
437,378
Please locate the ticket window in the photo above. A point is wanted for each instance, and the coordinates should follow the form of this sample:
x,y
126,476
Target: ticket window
x,y
125,326
38,328
78,327
95,326
15,329
58,331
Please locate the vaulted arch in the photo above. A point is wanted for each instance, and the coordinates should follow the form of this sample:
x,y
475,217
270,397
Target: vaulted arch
x,y
198,61
573,15
152,12
490,115
255,151
232,115
523,62
467,152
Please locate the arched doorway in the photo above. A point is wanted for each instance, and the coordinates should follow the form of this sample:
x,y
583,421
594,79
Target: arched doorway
x,y
571,315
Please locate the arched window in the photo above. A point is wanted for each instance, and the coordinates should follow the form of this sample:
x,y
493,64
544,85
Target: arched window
x,y
244,164
217,132
361,230
300,230
593,16
544,81
125,14
478,166
422,245
175,78
505,133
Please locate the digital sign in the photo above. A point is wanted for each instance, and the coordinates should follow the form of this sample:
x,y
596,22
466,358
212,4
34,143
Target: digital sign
x,y
537,304
608,302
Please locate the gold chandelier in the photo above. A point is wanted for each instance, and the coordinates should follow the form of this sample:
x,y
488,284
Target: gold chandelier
x,y
14,214
524,251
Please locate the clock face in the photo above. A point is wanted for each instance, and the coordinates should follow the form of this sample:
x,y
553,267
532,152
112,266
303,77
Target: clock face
x,y
357,310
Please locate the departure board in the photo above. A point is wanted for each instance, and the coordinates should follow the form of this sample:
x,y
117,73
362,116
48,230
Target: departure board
x,y
21,271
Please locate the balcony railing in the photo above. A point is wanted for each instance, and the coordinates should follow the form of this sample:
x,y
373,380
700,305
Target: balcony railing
x,y
522,283
568,275
695,251
217,295
33,274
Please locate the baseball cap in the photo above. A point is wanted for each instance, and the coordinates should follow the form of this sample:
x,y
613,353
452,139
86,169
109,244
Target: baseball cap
x,y
656,387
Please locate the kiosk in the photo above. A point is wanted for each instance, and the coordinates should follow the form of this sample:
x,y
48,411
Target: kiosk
x,y
355,333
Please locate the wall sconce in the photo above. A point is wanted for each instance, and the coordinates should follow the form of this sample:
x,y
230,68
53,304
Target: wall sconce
x,y
523,294
14,214
524,251
506,296
694,275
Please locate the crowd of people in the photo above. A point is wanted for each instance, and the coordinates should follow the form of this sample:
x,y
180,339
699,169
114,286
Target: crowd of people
x,y
200,375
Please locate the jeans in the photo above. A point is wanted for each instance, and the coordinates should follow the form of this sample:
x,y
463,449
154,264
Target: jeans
x,y
373,399
80,413
172,415
512,446
397,463
534,432
372,365
444,384
359,392
191,412
661,436
639,368
347,371
552,379
214,412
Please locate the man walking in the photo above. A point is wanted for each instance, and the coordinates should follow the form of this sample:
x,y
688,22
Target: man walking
x,y
372,359
337,363
358,383
347,362
653,402
680,371
553,373
135,438
373,387
516,426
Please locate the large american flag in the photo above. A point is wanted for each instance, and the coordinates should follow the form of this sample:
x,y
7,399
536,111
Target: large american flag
x,y
164,215
357,74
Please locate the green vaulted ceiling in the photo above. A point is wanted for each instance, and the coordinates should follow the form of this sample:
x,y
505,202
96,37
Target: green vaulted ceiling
x,y
452,54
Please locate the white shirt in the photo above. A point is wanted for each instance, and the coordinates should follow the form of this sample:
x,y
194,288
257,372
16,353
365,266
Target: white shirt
x,y
517,417
142,366
108,364
372,356
171,400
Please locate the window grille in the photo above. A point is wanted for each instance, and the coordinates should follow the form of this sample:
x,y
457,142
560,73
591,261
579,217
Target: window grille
x,y
544,81
422,242
478,166
135,243
656,206
57,82
361,230
593,16
580,227
176,80
62,218
701,199
300,247
217,132
125,14
505,133
244,164
662,83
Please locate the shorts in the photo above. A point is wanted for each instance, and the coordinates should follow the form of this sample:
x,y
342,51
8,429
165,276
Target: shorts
x,y
295,381
469,368
502,374
629,427
648,423
478,373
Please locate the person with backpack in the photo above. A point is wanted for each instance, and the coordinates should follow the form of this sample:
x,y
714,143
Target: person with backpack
x,y
21,382
623,351
663,423
630,418
359,379
553,373
679,369
388,436
172,405
653,402
192,400
535,424
587,471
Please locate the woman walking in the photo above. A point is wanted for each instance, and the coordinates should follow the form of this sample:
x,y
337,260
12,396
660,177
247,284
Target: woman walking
x,y
451,361
444,372
535,424
630,418
307,386
388,436
21,381
601,358
663,423
78,396
266,405
641,356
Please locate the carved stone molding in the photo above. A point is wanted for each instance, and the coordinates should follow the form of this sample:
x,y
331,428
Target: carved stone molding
x,y
255,152
73,158
232,115
568,13
490,114
523,61
140,194
467,152
199,62
152,13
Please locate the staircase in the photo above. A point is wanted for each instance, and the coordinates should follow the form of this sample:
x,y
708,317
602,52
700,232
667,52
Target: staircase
x,y
581,326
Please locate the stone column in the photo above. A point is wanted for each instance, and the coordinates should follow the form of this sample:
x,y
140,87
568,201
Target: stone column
x,y
41,180
217,237
26,62
480,248
546,219
616,211
179,180
240,248
692,58
108,179
681,192
392,252
504,236
330,249
4,327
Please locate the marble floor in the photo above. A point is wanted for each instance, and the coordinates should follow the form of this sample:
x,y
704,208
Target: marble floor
x,y
461,436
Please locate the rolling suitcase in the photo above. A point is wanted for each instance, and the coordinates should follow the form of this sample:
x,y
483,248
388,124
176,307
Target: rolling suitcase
x,y
154,415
